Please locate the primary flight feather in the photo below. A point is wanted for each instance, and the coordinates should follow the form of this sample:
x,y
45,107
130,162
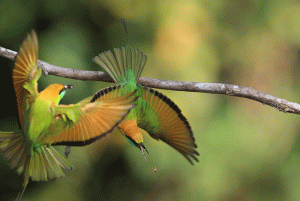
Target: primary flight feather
x,y
44,122
155,113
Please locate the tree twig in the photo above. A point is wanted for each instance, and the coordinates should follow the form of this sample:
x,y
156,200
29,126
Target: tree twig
x,y
214,88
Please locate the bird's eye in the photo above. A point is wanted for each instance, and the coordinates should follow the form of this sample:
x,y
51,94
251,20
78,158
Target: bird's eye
x,y
66,87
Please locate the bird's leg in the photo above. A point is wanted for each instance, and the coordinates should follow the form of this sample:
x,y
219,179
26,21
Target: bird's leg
x,y
67,151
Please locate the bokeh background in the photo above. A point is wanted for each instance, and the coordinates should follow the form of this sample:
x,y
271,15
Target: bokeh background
x,y
249,151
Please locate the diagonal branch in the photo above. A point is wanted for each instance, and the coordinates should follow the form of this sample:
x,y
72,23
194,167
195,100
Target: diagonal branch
x,y
214,88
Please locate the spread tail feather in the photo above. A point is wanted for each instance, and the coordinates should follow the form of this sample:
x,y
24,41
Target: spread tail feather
x,y
42,164
124,59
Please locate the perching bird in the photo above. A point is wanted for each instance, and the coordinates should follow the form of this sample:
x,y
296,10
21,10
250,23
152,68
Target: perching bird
x,y
44,122
155,113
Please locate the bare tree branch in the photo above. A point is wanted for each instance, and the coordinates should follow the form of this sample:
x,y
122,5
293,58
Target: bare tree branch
x,y
214,88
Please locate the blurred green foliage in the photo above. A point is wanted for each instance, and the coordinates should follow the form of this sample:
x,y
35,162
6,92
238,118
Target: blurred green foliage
x,y
248,151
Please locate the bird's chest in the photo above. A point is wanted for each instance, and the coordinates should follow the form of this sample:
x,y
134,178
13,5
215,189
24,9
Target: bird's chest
x,y
38,119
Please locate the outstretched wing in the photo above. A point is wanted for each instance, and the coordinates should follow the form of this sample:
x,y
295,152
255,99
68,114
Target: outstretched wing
x,y
26,72
162,119
89,120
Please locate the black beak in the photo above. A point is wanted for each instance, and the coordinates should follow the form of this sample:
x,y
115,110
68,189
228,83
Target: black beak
x,y
142,148
69,86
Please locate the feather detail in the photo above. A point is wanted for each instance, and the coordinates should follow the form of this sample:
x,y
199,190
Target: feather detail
x,y
42,164
26,70
124,59
107,93
96,119
163,120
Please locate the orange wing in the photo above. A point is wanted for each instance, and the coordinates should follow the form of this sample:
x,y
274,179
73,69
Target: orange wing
x,y
89,120
163,120
26,72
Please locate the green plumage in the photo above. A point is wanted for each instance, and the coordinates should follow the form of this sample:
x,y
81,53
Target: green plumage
x,y
44,122
125,68
155,113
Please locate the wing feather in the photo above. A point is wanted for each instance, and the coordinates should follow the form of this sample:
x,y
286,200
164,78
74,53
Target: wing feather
x,y
89,121
26,71
163,120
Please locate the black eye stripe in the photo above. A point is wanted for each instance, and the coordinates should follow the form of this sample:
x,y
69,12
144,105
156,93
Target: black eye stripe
x,y
63,89
66,87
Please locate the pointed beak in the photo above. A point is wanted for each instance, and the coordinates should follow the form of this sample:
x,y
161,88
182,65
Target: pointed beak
x,y
142,148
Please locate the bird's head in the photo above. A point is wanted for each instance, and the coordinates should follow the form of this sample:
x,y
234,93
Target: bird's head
x,y
55,92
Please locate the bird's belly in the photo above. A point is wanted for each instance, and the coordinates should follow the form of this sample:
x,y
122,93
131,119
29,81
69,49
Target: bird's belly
x,y
38,124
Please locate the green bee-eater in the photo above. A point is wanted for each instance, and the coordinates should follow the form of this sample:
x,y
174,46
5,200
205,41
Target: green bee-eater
x,y
45,123
155,113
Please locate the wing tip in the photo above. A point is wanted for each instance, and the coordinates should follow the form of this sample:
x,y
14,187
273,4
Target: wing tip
x,y
190,156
